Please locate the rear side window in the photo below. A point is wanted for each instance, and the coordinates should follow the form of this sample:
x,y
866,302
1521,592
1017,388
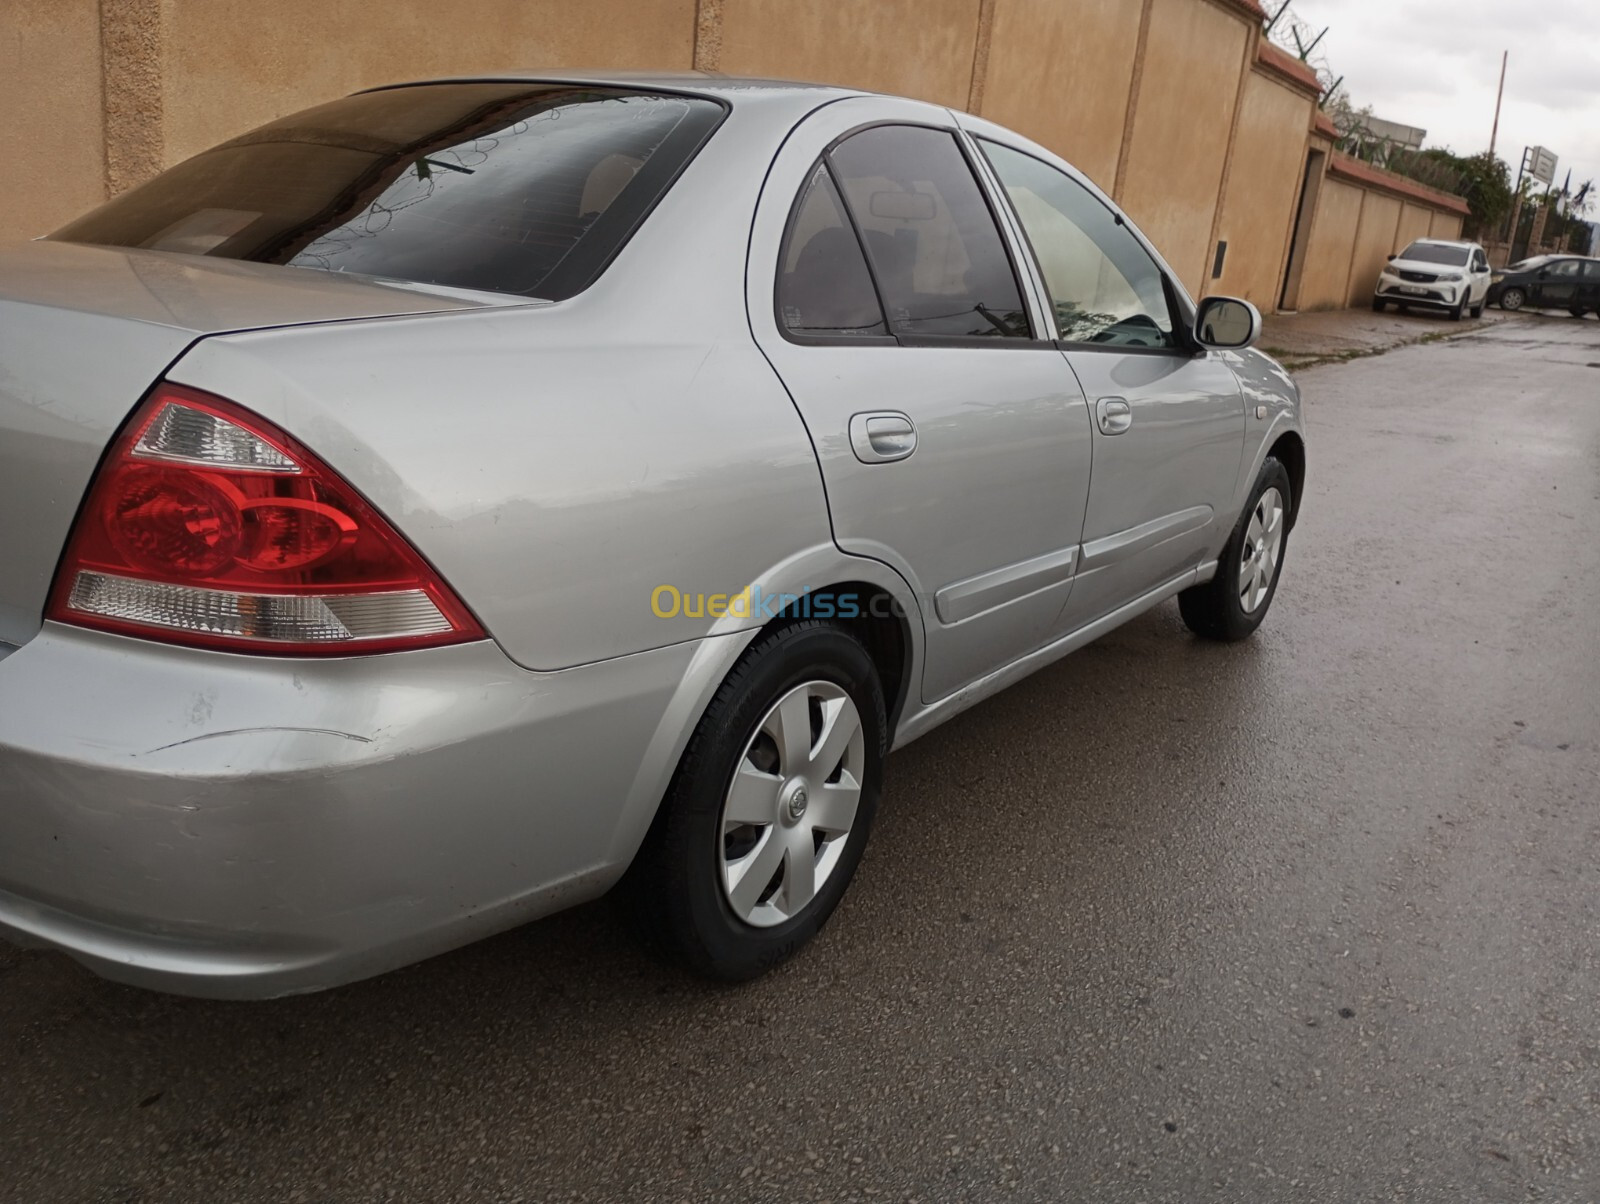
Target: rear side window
x,y
509,188
931,238
1591,271
824,288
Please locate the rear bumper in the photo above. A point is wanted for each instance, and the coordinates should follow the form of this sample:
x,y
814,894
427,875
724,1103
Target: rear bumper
x,y
244,827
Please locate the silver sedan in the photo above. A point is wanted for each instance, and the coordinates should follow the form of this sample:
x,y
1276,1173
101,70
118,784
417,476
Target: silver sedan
x,y
435,508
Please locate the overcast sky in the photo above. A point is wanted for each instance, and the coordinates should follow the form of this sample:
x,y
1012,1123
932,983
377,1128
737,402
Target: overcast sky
x,y
1435,64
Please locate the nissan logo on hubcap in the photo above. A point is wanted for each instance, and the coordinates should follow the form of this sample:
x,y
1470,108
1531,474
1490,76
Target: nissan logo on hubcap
x,y
797,801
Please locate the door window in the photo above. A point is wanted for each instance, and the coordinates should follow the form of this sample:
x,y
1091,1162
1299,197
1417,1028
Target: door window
x,y
1103,284
824,288
1565,270
931,238
1479,262
1591,272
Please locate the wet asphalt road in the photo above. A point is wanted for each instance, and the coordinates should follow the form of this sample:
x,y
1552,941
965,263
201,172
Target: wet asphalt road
x,y
1314,917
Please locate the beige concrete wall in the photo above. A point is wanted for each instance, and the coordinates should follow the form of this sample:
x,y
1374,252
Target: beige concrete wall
x,y
1060,73
1181,125
233,64
920,48
1416,221
1380,217
1445,225
51,136
1263,187
1325,283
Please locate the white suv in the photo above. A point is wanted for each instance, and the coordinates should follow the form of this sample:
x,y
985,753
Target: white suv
x,y
1436,274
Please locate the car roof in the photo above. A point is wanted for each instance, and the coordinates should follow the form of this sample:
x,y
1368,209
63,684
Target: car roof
x,y
1442,242
732,88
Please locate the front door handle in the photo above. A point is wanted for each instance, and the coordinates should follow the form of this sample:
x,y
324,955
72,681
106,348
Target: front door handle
x,y
1115,415
882,436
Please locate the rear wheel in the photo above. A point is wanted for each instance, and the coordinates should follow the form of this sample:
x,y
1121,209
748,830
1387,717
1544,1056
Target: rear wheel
x,y
1513,298
767,816
1232,604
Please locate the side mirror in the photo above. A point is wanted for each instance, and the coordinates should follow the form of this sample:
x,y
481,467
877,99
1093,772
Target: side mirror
x,y
1226,323
1543,272
1392,258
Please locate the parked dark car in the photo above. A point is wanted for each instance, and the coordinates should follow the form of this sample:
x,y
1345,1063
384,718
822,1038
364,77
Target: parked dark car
x,y
1569,282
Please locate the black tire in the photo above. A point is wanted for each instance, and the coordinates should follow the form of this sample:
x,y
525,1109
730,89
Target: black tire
x,y
1459,309
1214,611
674,889
1577,311
1379,305
1513,299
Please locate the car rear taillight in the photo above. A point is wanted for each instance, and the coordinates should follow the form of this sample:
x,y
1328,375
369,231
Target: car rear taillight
x,y
206,525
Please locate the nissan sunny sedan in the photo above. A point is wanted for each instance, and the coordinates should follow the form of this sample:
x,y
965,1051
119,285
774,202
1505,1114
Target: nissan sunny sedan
x,y
435,508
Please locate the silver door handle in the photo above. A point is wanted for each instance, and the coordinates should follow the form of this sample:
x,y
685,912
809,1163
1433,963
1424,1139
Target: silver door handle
x,y
1115,415
883,436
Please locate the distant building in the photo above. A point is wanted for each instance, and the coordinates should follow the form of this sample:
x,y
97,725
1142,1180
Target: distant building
x,y
1376,139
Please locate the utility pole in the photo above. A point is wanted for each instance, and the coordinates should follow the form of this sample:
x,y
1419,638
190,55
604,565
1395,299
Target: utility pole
x,y
1494,134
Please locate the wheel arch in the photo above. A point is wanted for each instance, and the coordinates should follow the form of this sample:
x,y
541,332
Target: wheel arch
x,y
887,620
878,619
1290,451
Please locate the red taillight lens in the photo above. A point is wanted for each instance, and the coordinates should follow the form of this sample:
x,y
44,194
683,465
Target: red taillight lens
x,y
209,526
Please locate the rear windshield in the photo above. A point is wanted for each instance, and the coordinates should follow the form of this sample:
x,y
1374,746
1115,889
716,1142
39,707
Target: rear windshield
x,y
510,188
1427,252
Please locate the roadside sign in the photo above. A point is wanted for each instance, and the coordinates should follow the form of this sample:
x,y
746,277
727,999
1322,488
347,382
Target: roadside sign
x,y
1540,163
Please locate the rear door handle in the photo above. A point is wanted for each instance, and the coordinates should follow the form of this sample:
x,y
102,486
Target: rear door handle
x,y
1115,415
882,436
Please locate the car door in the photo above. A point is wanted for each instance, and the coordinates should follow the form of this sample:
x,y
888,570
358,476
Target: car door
x,y
1556,286
1168,419
954,442
1589,295
1481,276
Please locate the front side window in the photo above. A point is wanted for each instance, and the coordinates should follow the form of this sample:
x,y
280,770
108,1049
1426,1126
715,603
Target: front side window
x,y
510,188
1103,284
935,250
824,288
1566,268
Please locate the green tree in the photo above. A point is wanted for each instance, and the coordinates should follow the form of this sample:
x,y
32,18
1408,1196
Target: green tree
x,y
1483,180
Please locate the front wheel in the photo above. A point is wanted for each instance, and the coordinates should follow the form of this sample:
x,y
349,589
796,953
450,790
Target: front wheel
x,y
1459,309
767,816
1378,305
1232,604
1513,298
1577,311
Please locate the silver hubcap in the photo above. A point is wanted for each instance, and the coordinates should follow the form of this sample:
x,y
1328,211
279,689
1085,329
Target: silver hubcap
x,y
792,803
1263,544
